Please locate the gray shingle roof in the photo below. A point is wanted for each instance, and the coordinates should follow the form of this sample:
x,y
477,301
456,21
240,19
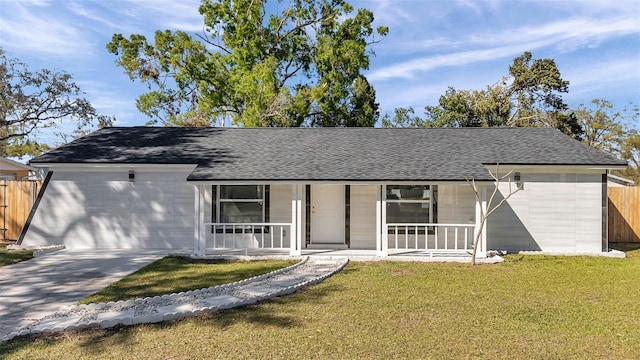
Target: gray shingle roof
x,y
333,154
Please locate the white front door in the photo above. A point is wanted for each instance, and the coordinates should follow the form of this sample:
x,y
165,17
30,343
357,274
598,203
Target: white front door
x,y
327,214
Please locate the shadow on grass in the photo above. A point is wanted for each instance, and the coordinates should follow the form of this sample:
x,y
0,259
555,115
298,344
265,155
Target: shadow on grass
x,y
264,316
98,342
625,246
631,250
179,274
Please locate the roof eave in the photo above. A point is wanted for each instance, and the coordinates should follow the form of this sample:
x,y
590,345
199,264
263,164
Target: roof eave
x,y
597,166
325,181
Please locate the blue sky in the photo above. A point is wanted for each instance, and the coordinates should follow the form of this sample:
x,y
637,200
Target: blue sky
x,y
431,45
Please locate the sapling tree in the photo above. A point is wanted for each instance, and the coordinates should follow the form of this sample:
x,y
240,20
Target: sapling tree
x,y
490,208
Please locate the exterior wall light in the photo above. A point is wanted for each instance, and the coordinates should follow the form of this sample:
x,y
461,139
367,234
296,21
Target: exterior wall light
x,y
132,176
518,179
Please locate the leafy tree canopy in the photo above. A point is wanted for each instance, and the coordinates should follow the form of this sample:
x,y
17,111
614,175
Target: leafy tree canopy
x,y
602,125
529,96
32,101
630,151
299,66
614,131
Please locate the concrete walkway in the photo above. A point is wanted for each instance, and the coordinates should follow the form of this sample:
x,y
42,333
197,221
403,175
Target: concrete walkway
x,y
181,305
32,289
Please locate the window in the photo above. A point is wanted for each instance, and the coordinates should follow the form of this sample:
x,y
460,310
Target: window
x,y
411,204
240,203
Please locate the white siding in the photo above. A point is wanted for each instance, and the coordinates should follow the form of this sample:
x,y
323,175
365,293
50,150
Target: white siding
x,y
363,216
108,209
554,212
103,209
62,213
280,207
162,214
456,204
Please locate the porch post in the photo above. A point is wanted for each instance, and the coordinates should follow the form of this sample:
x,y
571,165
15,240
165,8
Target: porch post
x,y
299,228
383,220
295,238
299,208
481,205
379,251
199,228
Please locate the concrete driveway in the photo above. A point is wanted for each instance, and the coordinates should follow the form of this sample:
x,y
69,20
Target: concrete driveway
x,y
32,289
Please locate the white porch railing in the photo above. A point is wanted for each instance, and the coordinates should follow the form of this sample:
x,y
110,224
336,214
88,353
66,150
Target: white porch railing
x,y
248,235
430,237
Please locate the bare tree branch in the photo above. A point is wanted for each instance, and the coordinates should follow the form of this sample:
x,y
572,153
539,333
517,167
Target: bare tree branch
x,y
33,100
485,213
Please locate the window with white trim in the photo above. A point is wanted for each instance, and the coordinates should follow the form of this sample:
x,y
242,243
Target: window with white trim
x,y
240,203
411,204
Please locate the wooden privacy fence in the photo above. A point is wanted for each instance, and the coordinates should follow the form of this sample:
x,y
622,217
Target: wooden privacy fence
x,y
16,200
624,214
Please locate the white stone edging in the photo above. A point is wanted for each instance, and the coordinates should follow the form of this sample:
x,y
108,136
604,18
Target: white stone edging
x,y
128,316
37,250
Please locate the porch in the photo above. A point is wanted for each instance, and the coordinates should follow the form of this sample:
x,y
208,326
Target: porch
x,y
351,254
353,220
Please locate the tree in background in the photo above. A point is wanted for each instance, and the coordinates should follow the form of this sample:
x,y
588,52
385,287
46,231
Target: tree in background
x,y
529,96
612,131
630,151
299,66
404,118
33,101
602,125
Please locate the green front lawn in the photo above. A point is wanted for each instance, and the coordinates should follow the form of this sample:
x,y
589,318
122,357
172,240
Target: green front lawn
x,y
8,257
539,307
175,274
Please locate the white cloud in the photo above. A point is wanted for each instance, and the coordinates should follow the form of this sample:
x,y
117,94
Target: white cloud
x,y
120,104
473,5
389,13
94,17
36,2
565,36
584,32
590,77
412,68
161,14
40,30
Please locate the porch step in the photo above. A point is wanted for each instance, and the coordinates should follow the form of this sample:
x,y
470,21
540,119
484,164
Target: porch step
x,y
320,246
